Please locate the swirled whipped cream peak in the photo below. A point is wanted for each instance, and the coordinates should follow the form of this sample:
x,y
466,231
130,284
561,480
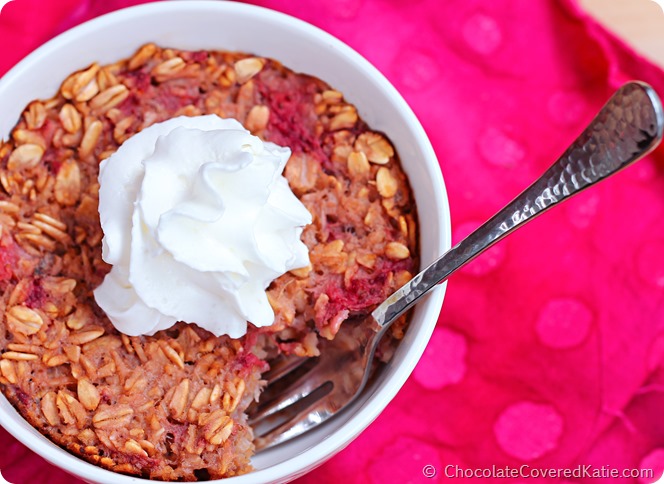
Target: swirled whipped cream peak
x,y
198,220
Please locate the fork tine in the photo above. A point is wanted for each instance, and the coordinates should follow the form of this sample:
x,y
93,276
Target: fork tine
x,y
283,365
296,390
308,417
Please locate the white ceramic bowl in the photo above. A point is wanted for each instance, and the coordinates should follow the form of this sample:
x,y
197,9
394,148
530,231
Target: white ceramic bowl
x,y
303,48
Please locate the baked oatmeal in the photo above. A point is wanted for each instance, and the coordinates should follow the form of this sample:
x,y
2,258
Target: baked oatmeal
x,y
172,406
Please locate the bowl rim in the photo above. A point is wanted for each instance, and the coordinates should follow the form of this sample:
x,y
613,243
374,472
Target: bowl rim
x,y
337,440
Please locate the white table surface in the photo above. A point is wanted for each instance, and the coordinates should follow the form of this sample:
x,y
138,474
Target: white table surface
x,y
639,22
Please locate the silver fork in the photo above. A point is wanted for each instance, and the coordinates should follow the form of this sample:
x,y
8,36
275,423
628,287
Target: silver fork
x,y
302,393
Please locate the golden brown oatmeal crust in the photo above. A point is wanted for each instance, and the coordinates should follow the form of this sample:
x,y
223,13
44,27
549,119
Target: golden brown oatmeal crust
x,y
171,406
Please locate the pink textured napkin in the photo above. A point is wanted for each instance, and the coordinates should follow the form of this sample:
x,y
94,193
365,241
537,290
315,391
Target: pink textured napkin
x,y
550,349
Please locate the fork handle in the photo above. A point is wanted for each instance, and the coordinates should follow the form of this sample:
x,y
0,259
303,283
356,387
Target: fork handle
x,y
627,128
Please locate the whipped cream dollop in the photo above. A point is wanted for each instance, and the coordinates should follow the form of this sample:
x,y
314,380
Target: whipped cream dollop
x,y
198,221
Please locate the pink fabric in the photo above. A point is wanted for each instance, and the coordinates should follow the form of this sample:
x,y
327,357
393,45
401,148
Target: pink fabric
x,y
550,348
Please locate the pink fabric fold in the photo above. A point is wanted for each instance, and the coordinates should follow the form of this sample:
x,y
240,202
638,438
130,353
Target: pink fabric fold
x,y
549,351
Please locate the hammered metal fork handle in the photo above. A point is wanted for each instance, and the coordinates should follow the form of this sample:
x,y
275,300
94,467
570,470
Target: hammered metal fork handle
x,y
627,128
